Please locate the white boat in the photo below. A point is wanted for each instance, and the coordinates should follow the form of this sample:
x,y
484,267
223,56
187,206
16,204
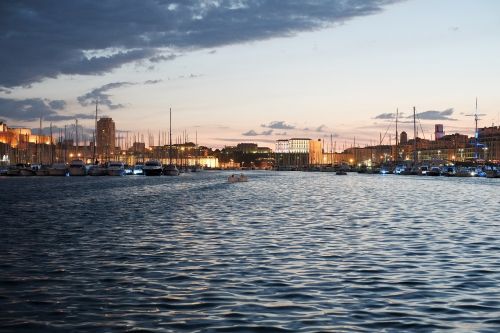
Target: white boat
x,y
170,170
116,168
58,169
138,169
152,168
77,168
237,178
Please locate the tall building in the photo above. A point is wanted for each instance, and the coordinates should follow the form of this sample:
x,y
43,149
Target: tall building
x,y
438,131
403,138
105,137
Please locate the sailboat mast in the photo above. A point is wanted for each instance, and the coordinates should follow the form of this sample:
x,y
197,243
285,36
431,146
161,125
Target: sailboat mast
x,y
475,134
76,134
397,146
170,139
51,151
414,137
95,133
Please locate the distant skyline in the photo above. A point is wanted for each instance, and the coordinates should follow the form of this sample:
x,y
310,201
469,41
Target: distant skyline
x,y
252,71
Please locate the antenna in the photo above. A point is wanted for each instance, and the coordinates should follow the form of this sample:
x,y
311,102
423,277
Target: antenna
x,y
476,134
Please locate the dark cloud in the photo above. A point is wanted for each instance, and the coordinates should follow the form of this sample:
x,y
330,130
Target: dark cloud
x,y
32,108
163,57
57,104
278,125
435,115
5,91
44,39
101,95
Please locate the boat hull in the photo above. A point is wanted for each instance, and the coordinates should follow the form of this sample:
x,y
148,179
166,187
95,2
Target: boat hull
x,y
152,172
116,172
77,172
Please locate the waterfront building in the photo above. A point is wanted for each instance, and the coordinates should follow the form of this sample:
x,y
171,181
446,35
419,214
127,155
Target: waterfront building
x,y
106,140
315,152
403,138
438,131
489,138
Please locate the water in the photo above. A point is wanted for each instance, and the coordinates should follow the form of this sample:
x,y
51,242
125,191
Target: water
x,y
285,252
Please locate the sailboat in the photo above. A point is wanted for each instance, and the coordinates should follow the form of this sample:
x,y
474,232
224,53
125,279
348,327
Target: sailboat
x,y
77,167
96,169
170,169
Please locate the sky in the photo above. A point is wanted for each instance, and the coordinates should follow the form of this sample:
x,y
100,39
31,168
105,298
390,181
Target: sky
x,y
252,70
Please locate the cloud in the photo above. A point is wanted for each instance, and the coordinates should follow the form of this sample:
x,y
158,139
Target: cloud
x,y
5,91
45,39
435,115
320,129
269,132
250,133
57,104
162,57
100,95
153,81
386,116
278,125
32,108
253,133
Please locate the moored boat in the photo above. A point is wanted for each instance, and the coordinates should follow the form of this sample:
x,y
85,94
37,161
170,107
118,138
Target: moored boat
x,y
170,170
138,169
58,169
116,168
152,168
237,178
43,170
97,170
77,168
434,171
26,171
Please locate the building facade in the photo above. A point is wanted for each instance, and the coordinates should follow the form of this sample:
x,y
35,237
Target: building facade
x,y
106,140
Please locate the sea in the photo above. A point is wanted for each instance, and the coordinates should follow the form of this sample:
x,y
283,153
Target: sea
x,y
283,252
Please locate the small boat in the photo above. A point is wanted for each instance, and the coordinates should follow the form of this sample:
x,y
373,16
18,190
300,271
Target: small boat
x,y
58,169
43,170
15,170
98,170
27,171
138,169
434,171
170,170
116,168
492,173
237,178
340,173
449,171
129,170
152,168
77,168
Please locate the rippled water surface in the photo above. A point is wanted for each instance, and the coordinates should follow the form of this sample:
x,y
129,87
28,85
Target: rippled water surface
x,y
285,252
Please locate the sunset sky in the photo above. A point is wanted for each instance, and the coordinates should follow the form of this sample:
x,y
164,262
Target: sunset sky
x,y
252,71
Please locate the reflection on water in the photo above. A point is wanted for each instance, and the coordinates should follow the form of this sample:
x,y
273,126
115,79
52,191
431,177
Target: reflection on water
x,y
292,252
